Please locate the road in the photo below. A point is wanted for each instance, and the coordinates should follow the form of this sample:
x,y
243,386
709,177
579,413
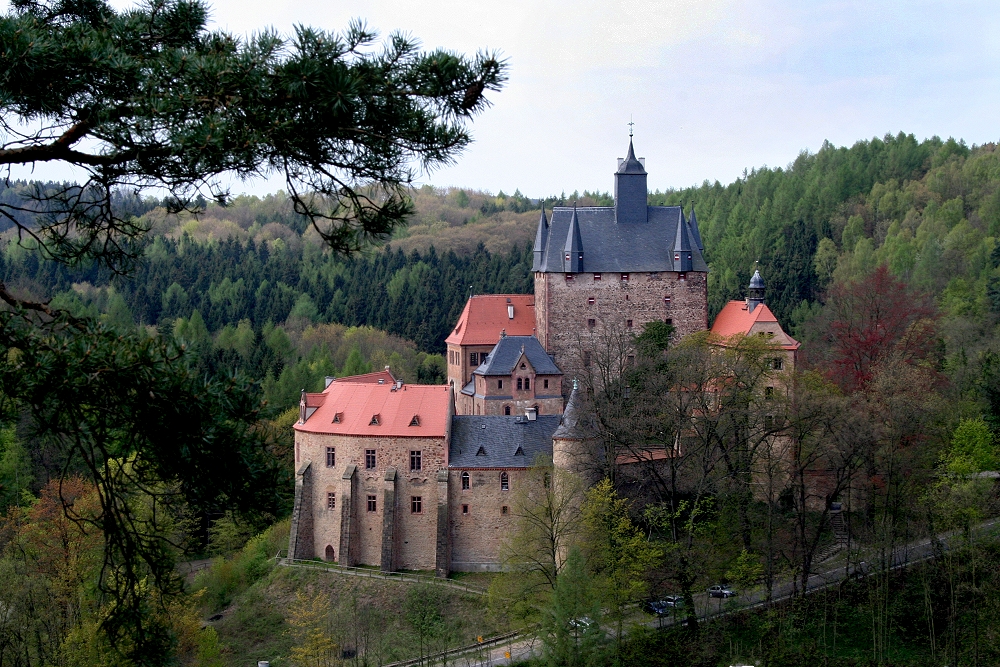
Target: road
x,y
909,554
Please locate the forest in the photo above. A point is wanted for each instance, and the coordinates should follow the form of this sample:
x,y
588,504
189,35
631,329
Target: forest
x,y
881,258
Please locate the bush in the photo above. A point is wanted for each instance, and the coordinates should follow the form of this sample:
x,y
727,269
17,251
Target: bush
x,y
229,577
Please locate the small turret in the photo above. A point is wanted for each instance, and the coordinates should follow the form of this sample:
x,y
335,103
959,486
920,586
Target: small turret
x,y
694,231
630,189
755,292
541,238
573,251
683,254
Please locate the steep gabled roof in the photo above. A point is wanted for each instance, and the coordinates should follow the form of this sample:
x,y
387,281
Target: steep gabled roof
x,y
611,247
486,315
480,441
541,237
505,354
573,423
736,319
360,404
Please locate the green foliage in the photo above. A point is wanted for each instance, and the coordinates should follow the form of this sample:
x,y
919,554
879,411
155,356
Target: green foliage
x,y
228,577
16,470
973,448
355,364
571,626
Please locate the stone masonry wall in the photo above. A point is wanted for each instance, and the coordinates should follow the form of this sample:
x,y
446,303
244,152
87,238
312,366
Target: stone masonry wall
x,y
477,536
563,309
415,534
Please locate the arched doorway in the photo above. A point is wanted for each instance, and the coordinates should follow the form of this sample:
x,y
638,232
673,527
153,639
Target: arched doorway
x,y
329,553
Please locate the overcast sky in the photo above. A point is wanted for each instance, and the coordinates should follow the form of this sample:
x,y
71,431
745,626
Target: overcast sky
x,y
713,86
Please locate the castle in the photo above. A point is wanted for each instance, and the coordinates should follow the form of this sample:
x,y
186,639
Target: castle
x,y
419,477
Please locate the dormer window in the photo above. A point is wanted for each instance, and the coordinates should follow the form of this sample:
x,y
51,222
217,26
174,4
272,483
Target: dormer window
x,y
519,451
415,421
338,417
374,421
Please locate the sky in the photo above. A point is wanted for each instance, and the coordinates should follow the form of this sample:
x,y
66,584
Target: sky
x,y
714,87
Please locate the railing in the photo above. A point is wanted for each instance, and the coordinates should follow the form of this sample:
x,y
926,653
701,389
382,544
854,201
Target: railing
x,y
281,558
436,657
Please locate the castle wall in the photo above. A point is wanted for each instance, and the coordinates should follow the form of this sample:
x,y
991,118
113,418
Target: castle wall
x,y
564,309
414,535
477,537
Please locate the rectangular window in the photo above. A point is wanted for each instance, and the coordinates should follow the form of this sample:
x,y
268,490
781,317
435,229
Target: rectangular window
x,y
415,459
369,459
465,509
503,510
416,504
371,504
569,276
590,301
666,300
624,277
520,384
768,392
331,457
597,276
474,358
591,322
628,323
499,384
586,359
777,363
769,422
682,276
669,320
331,501
527,384
545,384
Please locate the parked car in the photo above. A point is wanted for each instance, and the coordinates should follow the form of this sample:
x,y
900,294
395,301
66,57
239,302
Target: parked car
x,y
719,591
662,606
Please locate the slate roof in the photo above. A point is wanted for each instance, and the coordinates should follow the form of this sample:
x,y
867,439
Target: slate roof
x,y
630,165
499,439
572,423
610,246
504,355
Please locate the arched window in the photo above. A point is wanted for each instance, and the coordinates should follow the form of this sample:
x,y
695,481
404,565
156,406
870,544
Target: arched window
x,y
506,410
465,480
519,384
527,384
504,482
329,553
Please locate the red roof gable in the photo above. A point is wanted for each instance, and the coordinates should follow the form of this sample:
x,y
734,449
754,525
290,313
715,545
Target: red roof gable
x,y
485,315
355,404
737,319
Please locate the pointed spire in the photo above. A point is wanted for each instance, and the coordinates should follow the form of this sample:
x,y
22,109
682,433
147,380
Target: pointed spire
x,y
755,291
694,230
573,250
630,165
682,246
541,239
572,426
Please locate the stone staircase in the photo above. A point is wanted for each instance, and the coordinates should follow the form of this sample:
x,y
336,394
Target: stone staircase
x,y
840,535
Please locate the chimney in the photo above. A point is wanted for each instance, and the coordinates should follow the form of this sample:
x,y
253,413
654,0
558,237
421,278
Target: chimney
x,y
531,414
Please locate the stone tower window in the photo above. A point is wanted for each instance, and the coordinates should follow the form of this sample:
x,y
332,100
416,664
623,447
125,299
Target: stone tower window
x,y
624,277
586,358
331,457
590,301
415,456
628,323
666,300
503,510
504,482
465,509
499,384
545,384
371,503
591,323
416,504
597,277
331,500
465,481
768,392
369,459
506,410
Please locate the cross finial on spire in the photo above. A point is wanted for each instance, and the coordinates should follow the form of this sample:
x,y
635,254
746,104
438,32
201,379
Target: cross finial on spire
x,y
630,124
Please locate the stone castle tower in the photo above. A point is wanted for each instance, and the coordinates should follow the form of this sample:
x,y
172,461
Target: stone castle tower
x,y
604,268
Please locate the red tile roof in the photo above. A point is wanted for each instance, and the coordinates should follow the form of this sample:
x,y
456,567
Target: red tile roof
x,y
485,315
356,403
736,319
370,378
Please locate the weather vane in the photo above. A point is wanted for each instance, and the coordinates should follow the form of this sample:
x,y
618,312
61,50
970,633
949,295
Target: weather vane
x,y
630,124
